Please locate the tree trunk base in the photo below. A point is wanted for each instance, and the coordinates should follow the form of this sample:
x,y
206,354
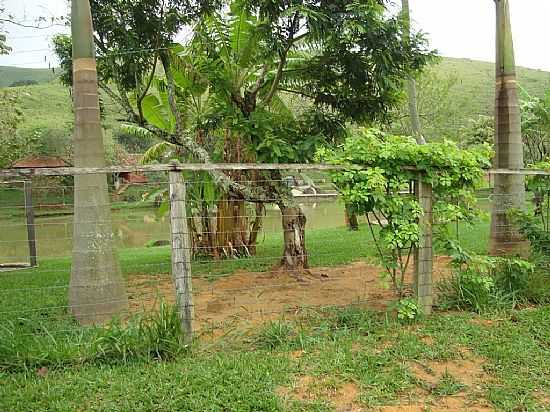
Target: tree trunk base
x,y
505,240
295,256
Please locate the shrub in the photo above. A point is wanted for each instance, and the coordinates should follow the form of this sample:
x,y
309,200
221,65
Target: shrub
x,y
470,287
407,310
481,283
535,226
157,336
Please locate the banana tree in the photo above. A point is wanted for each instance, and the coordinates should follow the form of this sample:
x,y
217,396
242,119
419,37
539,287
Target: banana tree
x,y
235,230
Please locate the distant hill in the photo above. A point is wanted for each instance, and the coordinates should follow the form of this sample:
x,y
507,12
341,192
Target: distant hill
x,y
48,106
10,75
474,91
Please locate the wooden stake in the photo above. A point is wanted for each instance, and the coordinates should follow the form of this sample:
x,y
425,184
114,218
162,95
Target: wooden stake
x,y
423,282
181,254
29,213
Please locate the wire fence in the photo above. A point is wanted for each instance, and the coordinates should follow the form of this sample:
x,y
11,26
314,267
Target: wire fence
x,y
232,249
221,260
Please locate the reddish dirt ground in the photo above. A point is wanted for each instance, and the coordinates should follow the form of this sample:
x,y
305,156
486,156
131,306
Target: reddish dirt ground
x,y
468,370
247,298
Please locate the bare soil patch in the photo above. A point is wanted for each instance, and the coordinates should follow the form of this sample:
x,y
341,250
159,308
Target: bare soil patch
x,y
307,388
443,404
468,371
249,298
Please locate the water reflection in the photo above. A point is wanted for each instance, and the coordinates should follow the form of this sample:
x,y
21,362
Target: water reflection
x,y
135,228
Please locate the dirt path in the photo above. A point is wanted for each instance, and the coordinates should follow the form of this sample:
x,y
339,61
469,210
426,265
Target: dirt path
x,y
249,298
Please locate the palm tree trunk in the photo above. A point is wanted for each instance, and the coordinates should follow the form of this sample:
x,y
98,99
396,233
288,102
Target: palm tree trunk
x,y
96,290
416,127
509,191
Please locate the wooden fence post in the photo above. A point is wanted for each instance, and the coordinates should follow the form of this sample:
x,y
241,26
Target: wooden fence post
x,y
423,281
181,254
29,214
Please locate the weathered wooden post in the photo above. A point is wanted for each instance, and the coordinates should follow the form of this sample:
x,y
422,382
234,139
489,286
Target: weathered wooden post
x,y
181,254
423,281
29,214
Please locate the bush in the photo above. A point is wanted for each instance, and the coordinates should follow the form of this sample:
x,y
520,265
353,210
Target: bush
x,y
535,227
374,189
482,283
471,286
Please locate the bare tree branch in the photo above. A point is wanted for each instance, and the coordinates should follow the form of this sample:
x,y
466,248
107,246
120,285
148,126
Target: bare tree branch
x,y
31,26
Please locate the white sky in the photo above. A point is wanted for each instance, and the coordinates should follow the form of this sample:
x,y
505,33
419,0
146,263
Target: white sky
x,y
456,28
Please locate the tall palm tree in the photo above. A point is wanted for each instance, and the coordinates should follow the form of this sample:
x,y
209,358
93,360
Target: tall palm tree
x,y
416,127
96,290
509,191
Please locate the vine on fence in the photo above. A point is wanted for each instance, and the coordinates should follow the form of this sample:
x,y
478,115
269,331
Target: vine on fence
x,y
387,166
535,225
540,186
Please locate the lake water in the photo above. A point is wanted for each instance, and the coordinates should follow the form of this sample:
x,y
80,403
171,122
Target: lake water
x,y
133,229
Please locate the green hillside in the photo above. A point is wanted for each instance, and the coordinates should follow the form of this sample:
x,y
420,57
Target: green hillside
x,y
10,75
474,91
47,121
47,107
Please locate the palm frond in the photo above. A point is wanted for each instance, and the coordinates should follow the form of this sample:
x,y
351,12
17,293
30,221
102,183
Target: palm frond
x,y
158,152
136,131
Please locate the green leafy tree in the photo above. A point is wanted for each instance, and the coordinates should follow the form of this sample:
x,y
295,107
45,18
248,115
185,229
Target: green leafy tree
x,y
12,147
478,131
262,50
435,106
63,48
535,125
130,38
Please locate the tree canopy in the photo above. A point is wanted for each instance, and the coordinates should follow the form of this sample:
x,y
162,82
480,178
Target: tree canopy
x,y
345,60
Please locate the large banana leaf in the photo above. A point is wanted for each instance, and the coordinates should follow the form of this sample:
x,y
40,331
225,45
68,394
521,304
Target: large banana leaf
x,y
242,35
157,114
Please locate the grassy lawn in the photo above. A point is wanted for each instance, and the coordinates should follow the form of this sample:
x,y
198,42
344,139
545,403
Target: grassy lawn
x,y
321,360
324,361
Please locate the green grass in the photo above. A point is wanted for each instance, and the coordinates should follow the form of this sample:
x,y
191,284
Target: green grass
x,y
35,300
46,285
9,75
372,353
